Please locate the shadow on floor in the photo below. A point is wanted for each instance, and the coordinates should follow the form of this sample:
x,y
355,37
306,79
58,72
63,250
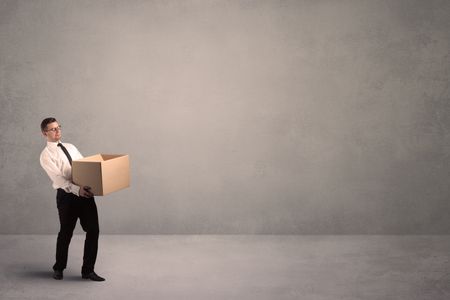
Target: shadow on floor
x,y
37,272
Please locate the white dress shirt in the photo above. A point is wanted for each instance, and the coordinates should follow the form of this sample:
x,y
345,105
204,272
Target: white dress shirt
x,y
58,167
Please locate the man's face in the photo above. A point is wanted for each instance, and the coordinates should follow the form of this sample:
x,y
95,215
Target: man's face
x,y
52,132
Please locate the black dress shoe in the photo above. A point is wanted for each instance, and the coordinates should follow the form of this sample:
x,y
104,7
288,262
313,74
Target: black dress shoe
x,y
92,276
57,274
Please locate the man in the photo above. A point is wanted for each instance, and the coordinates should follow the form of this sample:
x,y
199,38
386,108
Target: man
x,y
73,201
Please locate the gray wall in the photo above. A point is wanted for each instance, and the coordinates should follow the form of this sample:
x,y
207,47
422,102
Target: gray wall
x,y
293,117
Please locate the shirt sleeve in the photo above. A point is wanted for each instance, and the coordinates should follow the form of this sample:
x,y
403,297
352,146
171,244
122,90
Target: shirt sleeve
x,y
75,153
78,152
59,181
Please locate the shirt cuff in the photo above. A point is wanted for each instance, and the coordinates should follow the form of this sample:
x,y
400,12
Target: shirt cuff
x,y
76,189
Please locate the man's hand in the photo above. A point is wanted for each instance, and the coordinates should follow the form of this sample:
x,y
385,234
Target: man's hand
x,y
85,191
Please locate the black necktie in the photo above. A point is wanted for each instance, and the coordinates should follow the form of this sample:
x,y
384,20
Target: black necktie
x,y
65,152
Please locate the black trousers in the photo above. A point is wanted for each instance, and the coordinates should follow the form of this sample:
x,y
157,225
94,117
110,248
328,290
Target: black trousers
x,y
71,208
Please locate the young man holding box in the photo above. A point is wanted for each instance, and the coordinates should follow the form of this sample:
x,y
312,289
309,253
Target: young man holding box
x,y
73,201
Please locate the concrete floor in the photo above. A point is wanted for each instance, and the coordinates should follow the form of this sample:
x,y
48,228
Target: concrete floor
x,y
232,267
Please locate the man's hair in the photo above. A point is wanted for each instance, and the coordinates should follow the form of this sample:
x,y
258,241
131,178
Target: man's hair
x,y
45,122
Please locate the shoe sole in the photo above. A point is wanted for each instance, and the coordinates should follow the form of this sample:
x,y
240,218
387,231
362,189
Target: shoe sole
x,y
92,279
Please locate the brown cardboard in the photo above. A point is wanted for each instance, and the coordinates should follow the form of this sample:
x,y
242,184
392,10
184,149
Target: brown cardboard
x,y
104,173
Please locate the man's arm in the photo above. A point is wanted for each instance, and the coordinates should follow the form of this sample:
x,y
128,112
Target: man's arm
x,y
56,177
84,191
77,153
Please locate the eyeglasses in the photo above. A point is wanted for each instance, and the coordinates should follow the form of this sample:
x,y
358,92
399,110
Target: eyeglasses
x,y
55,129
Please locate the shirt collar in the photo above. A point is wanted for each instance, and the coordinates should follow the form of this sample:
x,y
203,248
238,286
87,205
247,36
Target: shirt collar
x,y
53,145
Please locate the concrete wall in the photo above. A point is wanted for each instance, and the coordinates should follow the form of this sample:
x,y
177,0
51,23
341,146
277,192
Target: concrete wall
x,y
290,117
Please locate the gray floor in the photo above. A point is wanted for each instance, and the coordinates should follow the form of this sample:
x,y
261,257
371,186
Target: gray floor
x,y
232,267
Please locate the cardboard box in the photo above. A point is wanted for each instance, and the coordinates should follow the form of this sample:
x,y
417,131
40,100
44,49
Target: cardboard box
x,y
104,173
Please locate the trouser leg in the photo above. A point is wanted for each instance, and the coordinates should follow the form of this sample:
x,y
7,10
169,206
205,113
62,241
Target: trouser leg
x,y
89,223
68,219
